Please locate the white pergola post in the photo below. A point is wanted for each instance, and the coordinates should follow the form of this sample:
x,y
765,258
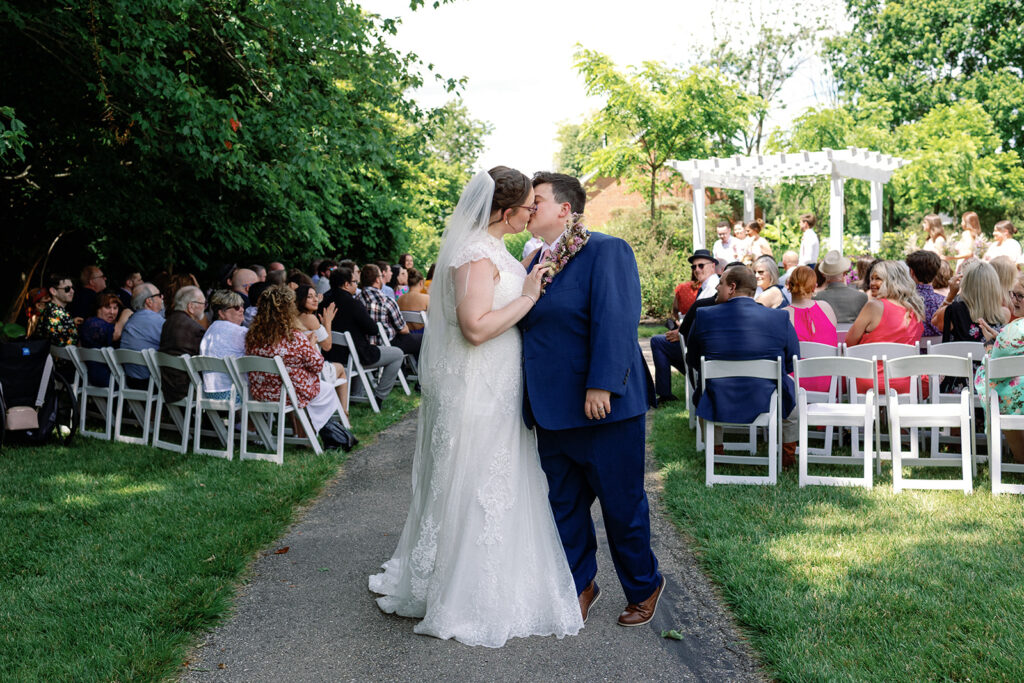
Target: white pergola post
x,y
748,203
699,217
876,216
835,212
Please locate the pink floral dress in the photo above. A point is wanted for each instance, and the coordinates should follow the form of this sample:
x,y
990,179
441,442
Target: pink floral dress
x,y
303,363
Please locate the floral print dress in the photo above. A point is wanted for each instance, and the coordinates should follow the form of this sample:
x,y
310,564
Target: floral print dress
x,y
303,363
1010,342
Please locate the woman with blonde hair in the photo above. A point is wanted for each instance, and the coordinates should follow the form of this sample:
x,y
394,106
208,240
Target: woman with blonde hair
x,y
276,331
894,314
969,238
1004,244
981,298
940,285
936,241
767,274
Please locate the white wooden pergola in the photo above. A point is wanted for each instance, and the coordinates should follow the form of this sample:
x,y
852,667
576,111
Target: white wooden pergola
x,y
760,170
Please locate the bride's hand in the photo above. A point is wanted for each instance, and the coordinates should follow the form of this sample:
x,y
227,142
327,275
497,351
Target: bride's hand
x,y
531,287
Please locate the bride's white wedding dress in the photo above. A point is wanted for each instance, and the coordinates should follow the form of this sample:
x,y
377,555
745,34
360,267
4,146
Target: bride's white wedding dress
x,y
479,559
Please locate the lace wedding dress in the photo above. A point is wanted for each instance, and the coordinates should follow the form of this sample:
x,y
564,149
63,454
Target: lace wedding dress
x,y
479,559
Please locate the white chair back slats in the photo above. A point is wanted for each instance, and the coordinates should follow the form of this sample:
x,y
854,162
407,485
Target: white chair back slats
x,y
386,342
976,352
1001,369
354,366
102,398
180,411
139,401
223,428
877,351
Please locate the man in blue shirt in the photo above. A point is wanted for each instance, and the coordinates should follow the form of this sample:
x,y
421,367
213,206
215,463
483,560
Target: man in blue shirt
x,y
142,331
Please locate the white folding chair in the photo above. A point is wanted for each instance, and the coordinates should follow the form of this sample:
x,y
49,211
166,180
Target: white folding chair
x,y
688,390
997,369
876,352
930,415
102,397
180,410
63,353
772,419
416,317
831,413
262,414
386,342
345,339
975,351
140,401
223,428
831,395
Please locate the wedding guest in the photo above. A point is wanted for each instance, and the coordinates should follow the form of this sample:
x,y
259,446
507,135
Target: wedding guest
x,y
56,323
809,244
84,302
924,265
416,299
865,282
35,303
181,334
665,349
970,237
430,277
384,310
224,338
275,332
845,301
814,321
399,280
725,246
319,332
323,275
757,245
767,274
143,330
1017,298
101,330
1006,271
261,272
981,298
405,260
385,275
1004,243
704,265
129,281
936,242
790,260
894,315
1010,391
941,282
742,239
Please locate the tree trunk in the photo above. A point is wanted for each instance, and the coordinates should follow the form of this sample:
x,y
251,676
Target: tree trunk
x,y
654,181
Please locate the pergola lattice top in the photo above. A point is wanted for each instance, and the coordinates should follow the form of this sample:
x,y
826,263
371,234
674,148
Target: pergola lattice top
x,y
762,170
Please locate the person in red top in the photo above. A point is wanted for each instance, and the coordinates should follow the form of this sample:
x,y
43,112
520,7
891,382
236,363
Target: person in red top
x,y
276,331
685,295
893,314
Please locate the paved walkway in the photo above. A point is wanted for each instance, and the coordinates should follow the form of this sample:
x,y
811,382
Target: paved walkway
x,y
306,615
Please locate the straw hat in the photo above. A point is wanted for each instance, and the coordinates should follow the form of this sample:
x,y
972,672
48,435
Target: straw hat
x,y
834,263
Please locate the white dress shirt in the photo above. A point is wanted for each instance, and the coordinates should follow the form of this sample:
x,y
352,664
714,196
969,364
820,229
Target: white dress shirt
x,y
809,247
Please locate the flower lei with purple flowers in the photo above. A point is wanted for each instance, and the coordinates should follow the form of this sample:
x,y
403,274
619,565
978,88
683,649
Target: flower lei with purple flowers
x,y
568,245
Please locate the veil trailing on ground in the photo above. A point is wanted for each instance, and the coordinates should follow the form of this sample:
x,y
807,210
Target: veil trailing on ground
x,y
469,220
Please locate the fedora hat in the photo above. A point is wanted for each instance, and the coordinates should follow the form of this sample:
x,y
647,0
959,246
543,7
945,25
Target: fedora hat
x,y
702,253
834,263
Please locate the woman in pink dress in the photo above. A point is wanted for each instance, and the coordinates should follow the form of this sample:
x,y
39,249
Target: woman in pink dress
x,y
893,314
814,321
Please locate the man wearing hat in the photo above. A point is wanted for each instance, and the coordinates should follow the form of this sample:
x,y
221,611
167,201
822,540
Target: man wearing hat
x,y
846,301
704,264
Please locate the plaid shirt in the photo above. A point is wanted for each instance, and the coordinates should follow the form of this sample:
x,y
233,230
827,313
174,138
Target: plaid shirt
x,y
382,310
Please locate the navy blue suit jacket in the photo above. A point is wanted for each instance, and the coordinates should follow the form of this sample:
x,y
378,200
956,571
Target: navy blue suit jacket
x,y
581,335
741,329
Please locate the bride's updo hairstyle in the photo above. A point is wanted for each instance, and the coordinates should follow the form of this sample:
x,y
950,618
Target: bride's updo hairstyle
x,y
511,188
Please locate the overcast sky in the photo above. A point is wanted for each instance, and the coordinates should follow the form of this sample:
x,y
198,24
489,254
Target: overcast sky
x,y
518,59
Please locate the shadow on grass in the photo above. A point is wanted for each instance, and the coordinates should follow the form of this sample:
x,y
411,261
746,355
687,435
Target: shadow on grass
x,y
850,584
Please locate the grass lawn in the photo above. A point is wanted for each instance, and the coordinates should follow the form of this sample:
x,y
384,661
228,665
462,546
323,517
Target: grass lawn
x,y
115,557
648,331
847,584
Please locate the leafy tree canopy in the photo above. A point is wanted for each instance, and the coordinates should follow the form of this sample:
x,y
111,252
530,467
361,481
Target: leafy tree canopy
x,y
576,147
179,134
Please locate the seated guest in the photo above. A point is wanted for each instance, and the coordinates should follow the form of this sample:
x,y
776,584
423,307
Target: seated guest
x,y
405,260
704,265
864,276
767,274
1009,342
790,260
129,281
980,298
240,281
323,279
261,272
1003,243
224,338
318,331
685,295
101,330
429,278
35,303
814,321
142,331
93,281
179,280
1006,271
384,310
274,278
924,266
415,300
352,317
737,328
399,280
665,349
1017,298
893,315
181,334
941,282
56,323
275,332
386,274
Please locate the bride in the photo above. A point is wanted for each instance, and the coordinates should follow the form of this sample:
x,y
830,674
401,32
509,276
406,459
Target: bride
x,y
480,558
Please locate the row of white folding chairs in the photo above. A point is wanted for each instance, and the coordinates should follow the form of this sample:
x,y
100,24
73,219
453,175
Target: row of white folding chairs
x,y
187,413
859,412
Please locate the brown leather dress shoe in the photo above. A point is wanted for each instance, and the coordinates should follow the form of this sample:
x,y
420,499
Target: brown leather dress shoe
x,y
788,454
638,614
588,597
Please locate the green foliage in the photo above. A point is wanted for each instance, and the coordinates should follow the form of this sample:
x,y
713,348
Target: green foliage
x,y
916,55
179,134
515,243
576,149
655,114
13,137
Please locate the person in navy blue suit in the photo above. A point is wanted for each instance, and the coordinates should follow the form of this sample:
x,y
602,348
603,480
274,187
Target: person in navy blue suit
x,y
739,328
587,390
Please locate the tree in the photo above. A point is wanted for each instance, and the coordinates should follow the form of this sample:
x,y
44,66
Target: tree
x,y
178,134
576,149
658,113
916,55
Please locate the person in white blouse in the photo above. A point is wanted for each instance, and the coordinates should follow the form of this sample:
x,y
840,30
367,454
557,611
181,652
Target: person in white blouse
x,y
224,338
1004,243
809,244
725,246
936,242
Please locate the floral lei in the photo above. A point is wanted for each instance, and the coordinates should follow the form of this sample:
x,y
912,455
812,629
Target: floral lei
x,y
568,245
